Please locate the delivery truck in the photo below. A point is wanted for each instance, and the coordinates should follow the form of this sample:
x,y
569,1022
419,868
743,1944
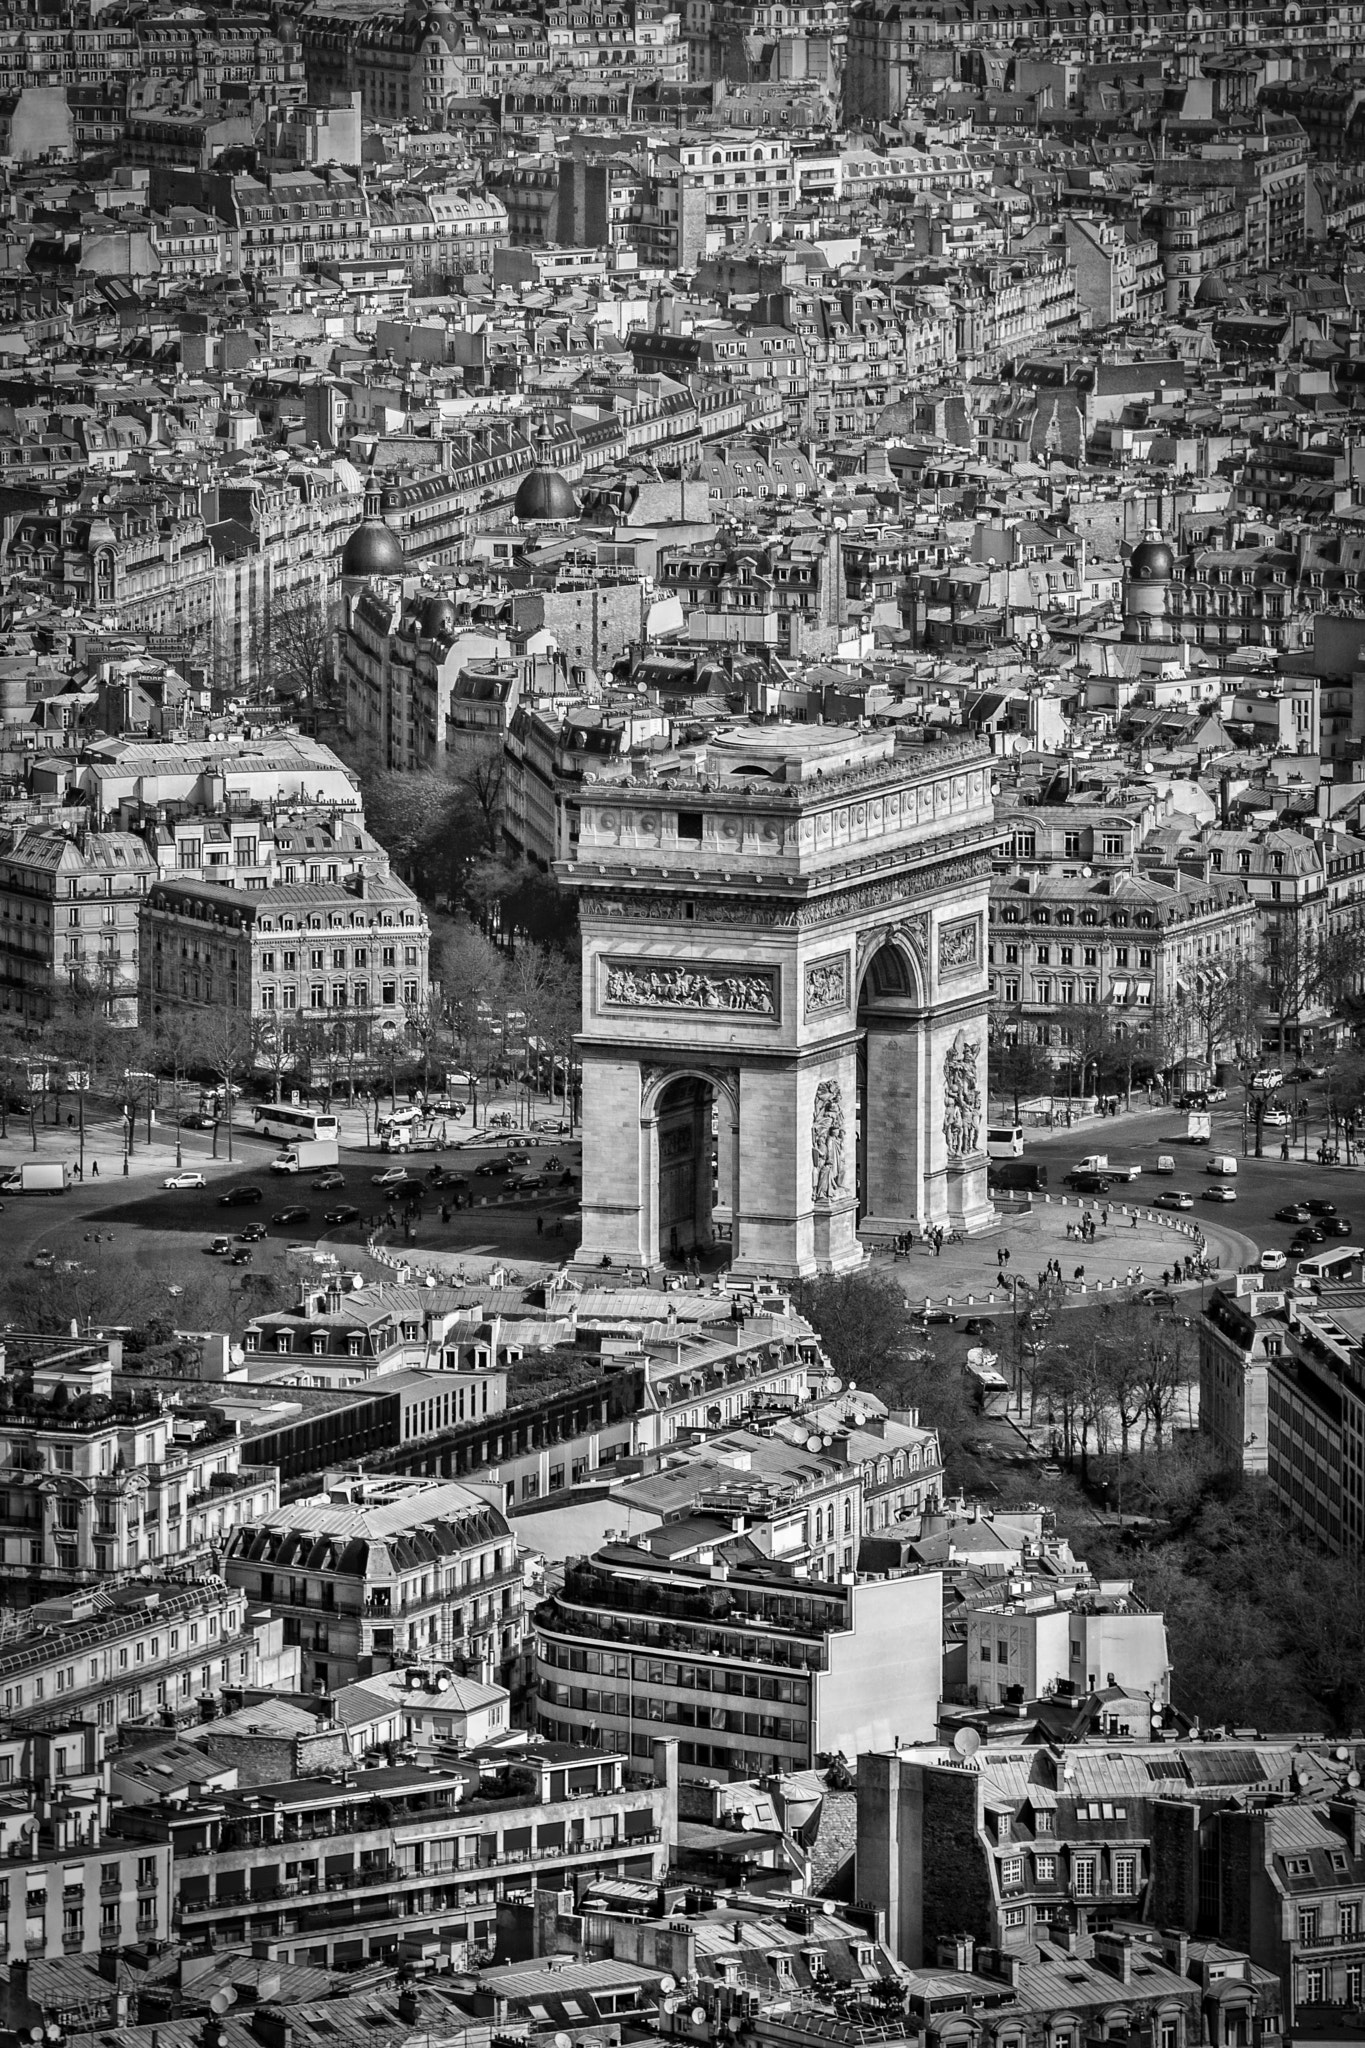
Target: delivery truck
x,y
1198,1127
306,1154
1098,1162
38,1177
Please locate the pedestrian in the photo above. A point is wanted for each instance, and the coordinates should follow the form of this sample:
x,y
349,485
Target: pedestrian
x,y
938,1243
999,1261
1134,1219
540,1226
1007,1257
1104,1215
1166,1276
94,1169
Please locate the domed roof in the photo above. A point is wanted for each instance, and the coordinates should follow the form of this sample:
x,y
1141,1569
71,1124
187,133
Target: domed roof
x,y
1213,291
437,619
373,550
1151,560
545,494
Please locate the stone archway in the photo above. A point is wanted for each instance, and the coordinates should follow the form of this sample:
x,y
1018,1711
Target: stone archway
x,y
798,922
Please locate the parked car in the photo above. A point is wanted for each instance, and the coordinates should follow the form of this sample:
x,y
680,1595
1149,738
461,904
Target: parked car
x,y
241,1255
347,1213
1273,1262
1266,1079
220,1247
241,1197
295,1213
1216,1094
1156,1297
184,1180
1294,1212
1174,1198
1304,1240
1276,1119
43,1259
1220,1192
1336,1226
253,1234
198,1120
978,1326
1317,1207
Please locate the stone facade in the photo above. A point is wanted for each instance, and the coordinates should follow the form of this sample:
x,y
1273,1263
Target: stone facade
x,y
786,946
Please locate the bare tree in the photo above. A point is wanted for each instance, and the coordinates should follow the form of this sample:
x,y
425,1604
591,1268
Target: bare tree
x,y
223,1043
1219,1005
276,1050
297,653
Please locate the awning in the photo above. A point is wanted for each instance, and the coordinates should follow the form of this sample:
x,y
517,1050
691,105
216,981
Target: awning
x,y
1119,991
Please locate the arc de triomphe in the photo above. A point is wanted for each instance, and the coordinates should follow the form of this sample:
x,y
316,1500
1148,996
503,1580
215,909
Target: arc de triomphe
x,y
784,997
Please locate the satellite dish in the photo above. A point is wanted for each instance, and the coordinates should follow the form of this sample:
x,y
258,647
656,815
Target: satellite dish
x,y
672,2004
222,2001
966,1742
733,2025
1353,1777
853,1386
443,1683
813,1443
699,2015
1342,1754
827,1908
1087,872
668,1984
563,2040
35,2033
835,1384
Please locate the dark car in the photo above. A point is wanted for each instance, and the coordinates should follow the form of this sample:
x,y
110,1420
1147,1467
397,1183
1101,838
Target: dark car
x,y
347,1213
978,1326
525,1183
198,1120
491,1167
241,1256
241,1197
1192,1100
925,1316
1294,1212
1085,1182
1336,1226
253,1234
1304,1240
1317,1207
518,1159
295,1213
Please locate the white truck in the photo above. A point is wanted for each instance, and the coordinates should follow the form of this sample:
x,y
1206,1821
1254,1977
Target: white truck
x,y
38,1177
1098,1162
305,1154
1198,1127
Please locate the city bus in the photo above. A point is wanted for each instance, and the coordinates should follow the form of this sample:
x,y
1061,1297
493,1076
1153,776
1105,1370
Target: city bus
x,y
285,1120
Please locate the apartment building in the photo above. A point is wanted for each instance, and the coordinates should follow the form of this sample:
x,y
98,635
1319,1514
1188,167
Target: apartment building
x,y
156,1650
1059,1844
338,965
1038,1641
753,1667
1123,941
69,1884
1287,1882
70,905
96,1488
377,1570
334,1871
1282,1395
459,1359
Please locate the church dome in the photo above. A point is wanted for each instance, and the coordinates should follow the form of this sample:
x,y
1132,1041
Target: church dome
x,y
373,550
437,619
544,494
1151,560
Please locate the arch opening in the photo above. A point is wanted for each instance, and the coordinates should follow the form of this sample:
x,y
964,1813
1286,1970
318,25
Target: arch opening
x,y
891,1124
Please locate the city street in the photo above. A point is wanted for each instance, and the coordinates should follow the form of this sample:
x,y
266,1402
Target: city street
x,y
1263,1185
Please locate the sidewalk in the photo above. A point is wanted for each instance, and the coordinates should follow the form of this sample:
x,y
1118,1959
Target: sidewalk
x,y
1119,1257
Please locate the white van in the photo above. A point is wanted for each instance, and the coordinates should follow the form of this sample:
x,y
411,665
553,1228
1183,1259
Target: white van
x,y
1004,1141
1221,1162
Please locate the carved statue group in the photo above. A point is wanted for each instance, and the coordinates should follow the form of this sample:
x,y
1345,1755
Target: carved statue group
x,y
827,1142
961,1098
684,988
